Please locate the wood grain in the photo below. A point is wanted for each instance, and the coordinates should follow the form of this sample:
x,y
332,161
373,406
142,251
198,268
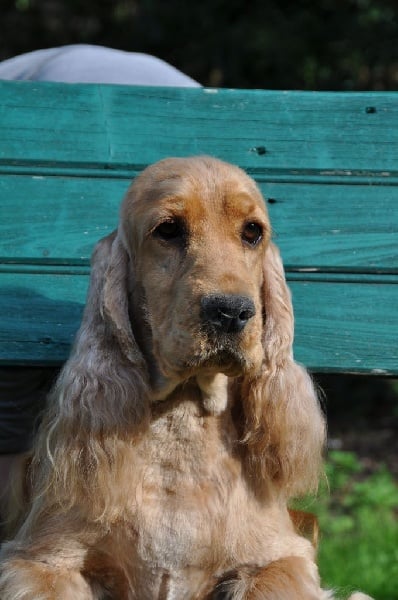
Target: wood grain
x,y
124,127
51,219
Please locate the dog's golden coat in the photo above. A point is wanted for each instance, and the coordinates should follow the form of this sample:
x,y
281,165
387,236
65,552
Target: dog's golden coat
x,y
180,426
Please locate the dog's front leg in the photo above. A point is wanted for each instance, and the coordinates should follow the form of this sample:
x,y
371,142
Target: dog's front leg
x,y
291,578
35,580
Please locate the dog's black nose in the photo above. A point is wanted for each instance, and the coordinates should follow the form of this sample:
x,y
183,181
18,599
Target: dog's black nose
x,y
227,313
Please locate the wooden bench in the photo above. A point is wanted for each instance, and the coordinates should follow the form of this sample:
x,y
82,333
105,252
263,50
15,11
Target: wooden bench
x,y
327,164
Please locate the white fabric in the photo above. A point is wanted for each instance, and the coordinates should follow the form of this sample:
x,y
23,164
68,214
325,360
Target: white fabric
x,y
82,63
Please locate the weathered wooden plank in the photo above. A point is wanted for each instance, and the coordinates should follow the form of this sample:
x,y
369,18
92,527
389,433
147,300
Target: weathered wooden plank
x,y
346,326
263,131
336,226
337,328
39,316
56,219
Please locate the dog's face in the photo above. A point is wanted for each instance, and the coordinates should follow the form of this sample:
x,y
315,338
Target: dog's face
x,y
196,231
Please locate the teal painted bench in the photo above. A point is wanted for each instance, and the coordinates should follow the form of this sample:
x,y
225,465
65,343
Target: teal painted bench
x,y
327,164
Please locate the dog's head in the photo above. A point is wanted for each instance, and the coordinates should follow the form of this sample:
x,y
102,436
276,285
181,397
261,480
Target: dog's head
x,y
196,233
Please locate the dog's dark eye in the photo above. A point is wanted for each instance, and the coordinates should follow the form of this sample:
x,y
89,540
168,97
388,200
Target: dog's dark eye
x,y
252,233
170,230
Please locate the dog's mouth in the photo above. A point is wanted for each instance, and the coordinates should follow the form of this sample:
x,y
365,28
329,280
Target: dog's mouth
x,y
190,352
166,375
218,355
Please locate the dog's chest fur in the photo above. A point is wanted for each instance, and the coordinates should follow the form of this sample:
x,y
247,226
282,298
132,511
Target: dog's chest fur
x,y
187,471
189,508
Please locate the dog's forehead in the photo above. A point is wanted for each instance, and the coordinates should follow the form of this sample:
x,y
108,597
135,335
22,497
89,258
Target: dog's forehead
x,y
196,187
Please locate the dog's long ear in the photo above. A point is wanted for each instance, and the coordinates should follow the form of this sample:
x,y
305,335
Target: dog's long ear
x,y
101,396
115,300
284,423
104,381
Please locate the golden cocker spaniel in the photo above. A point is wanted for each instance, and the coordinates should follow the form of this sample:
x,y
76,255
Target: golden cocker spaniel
x,y
181,425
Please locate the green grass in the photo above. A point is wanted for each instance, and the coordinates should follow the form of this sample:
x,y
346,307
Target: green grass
x,y
358,519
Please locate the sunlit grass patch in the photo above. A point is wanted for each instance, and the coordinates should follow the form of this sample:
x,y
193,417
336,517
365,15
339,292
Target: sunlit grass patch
x,y
358,520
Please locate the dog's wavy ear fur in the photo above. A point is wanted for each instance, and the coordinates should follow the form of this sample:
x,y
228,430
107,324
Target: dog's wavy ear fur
x,y
101,395
284,423
115,300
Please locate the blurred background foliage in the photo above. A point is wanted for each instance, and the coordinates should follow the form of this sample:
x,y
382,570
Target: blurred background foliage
x,y
292,44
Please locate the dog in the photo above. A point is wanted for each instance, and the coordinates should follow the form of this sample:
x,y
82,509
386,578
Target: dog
x,y
181,426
